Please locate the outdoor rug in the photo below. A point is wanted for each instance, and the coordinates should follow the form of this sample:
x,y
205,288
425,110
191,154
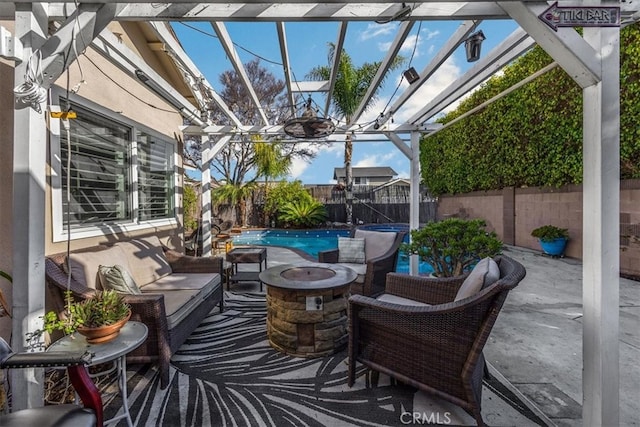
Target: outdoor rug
x,y
226,374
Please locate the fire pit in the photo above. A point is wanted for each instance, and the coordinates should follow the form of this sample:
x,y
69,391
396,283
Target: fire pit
x,y
307,307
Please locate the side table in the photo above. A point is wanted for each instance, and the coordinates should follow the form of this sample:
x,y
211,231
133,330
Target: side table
x,y
131,336
246,256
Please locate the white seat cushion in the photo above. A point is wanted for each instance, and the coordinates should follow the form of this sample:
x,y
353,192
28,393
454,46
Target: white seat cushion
x,y
183,293
360,269
394,299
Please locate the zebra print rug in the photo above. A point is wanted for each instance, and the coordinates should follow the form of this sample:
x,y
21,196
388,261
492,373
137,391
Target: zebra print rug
x,y
226,374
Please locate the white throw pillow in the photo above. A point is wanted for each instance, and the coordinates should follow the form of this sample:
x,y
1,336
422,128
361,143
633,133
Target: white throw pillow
x,y
483,274
350,250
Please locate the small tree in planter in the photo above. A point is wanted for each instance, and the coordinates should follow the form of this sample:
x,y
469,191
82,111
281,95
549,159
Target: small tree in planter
x,y
553,240
453,246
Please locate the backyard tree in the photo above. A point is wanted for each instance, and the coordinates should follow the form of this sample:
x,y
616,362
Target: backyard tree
x,y
236,162
271,164
351,85
236,167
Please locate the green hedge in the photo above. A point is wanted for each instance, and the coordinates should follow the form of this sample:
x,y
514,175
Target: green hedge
x,y
533,136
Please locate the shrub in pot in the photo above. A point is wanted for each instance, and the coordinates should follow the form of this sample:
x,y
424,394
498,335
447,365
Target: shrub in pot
x,y
552,239
453,246
106,312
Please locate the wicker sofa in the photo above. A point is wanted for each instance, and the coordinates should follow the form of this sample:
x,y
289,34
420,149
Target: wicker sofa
x,y
177,291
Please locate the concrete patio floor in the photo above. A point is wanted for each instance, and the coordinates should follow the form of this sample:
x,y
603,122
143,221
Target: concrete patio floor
x,y
535,349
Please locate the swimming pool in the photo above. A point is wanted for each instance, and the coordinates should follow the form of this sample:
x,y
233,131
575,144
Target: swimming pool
x,y
317,240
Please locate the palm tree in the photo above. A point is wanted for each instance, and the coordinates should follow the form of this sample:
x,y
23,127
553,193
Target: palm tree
x,y
351,85
271,162
235,195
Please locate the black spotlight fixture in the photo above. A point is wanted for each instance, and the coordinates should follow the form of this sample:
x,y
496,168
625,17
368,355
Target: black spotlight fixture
x,y
309,125
473,44
411,75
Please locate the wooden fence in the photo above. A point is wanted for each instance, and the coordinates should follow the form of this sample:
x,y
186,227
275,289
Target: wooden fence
x,y
371,204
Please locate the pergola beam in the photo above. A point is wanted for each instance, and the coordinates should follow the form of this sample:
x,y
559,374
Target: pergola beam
x,y
119,54
337,54
392,52
566,46
286,66
219,130
296,10
232,54
73,37
513,46
185,63
443,54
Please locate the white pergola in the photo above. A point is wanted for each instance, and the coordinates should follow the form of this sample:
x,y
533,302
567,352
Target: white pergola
x,y
591,60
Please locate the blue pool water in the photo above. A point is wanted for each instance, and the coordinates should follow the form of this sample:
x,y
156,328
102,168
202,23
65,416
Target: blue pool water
x,y
314,241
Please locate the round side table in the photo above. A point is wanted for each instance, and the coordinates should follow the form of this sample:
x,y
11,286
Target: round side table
x,y
131,336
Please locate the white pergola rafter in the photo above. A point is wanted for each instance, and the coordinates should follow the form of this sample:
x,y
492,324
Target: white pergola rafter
x,y
512,47
443,54
229,48
286,66
342,33
392,53
184,62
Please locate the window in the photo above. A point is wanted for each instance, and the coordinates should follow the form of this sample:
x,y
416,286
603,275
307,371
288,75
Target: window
x,y
120,175
99,178
155,178
360,180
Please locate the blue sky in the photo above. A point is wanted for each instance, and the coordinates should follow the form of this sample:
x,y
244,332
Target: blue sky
x,y
365,42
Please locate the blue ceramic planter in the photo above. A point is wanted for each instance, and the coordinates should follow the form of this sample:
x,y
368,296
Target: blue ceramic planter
x,y
554,247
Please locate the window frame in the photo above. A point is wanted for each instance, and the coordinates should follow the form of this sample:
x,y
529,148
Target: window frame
x,y
95,230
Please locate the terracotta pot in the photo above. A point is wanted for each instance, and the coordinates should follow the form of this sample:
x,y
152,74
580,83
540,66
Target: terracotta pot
x,y
103,334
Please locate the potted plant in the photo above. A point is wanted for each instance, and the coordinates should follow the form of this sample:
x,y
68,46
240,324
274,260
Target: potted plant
x,y
453,246
98,318
552,239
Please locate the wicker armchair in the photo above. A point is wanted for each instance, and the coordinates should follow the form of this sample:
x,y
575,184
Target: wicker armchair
x,y
372,274
436,348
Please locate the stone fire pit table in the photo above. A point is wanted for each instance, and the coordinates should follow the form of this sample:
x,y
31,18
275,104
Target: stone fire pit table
x,y
307,307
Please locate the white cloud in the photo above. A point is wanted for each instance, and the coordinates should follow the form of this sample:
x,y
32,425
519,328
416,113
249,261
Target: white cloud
x,y
428,35
409,44
299,166
377,30
446,74
384,46
375,160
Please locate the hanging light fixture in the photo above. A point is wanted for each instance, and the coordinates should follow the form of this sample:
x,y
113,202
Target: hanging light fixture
x,y
309,125
472,46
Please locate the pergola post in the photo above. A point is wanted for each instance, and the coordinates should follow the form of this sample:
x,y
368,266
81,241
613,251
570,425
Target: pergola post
x,y
414,214
29,183
209,151
601,235
205,197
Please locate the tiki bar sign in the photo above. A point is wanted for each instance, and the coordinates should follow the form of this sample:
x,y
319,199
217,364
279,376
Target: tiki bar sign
x,y
580,16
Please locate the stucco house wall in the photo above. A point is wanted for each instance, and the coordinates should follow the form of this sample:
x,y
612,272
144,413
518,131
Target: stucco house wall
x,y
104,86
